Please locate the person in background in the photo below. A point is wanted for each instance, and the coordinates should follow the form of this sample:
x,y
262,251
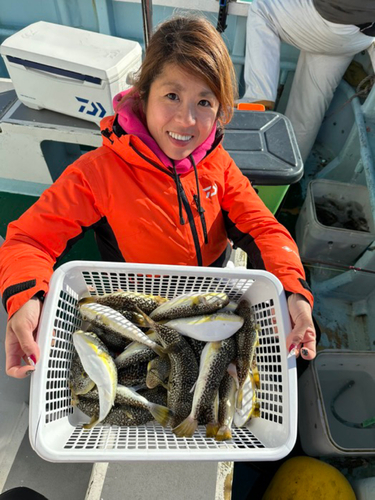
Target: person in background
x,y
327,32
145,191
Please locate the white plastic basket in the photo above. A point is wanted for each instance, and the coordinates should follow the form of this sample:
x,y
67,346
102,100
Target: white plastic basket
x,y
55,429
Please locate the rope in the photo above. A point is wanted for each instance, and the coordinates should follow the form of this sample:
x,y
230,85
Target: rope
x,y
363,89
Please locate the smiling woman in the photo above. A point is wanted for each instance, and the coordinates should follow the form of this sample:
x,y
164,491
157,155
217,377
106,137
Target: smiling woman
x,y
186,87
181,111
194,45
145,191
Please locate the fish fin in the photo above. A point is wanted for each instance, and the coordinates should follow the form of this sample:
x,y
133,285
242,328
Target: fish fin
x,y
232,370
86,300
151,384
88,388
239,398
175,348
224,433
149,323
74,401
94,420
155,381
257,330
211,429
256,376
253,386
256,412
160,351
193,386
253,413
136,388
186,428
161,414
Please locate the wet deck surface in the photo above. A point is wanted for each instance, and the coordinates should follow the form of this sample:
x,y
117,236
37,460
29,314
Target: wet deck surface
x,y
54,481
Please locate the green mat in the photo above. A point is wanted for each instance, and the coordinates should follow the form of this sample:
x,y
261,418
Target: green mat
x,y
14,205
272,196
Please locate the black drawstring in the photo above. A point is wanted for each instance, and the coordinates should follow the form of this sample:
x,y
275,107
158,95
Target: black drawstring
x,y
177,181
197,200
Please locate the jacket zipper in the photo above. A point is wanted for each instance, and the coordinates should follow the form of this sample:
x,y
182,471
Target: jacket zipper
x,y
185,203
192,224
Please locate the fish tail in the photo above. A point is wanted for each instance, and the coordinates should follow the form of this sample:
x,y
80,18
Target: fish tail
x,y
212,429
86,300
94,420
186,428
75,400
253,413
161,414
224,433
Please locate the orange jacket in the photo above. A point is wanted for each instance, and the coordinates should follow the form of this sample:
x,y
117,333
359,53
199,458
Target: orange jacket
x,y
124,191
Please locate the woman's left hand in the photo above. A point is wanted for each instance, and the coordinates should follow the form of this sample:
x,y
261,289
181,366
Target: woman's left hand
x,y
302,338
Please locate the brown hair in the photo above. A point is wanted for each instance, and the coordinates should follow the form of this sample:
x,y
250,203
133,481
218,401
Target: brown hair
x,y
192,43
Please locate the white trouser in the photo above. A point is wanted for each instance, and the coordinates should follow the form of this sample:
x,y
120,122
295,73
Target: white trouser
x,y
326,51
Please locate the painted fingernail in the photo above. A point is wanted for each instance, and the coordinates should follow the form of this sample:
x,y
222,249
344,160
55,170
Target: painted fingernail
x,y
291,347
30,360
305,352
29,372
33,359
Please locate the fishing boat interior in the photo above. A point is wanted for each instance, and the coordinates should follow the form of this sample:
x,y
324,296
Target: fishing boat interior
x,y
327,203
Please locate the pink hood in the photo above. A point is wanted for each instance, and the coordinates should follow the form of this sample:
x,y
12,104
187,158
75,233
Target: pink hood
x,y
136,125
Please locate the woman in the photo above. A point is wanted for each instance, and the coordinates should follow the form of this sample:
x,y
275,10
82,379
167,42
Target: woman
x,y
160,190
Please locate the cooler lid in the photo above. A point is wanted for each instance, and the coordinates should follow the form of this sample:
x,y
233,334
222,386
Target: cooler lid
x,y
264,147
48,45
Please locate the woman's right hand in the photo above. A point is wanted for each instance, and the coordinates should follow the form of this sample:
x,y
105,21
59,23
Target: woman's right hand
x,y
20,341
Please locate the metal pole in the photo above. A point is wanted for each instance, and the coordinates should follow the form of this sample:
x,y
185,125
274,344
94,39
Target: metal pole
x,y
147,20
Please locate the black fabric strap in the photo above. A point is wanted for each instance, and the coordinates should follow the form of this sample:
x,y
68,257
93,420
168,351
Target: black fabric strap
x,y
367,28
14,289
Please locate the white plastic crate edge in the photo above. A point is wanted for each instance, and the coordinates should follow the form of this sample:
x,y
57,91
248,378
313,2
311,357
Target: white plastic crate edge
x,y
39,377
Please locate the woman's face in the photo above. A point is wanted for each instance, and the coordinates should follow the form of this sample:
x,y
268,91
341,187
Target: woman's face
x,y
180,112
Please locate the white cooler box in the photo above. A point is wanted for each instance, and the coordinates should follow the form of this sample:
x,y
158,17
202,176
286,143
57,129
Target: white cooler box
x,y
69,70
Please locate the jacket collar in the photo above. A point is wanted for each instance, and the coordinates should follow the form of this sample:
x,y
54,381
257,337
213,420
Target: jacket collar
x,y
133,149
